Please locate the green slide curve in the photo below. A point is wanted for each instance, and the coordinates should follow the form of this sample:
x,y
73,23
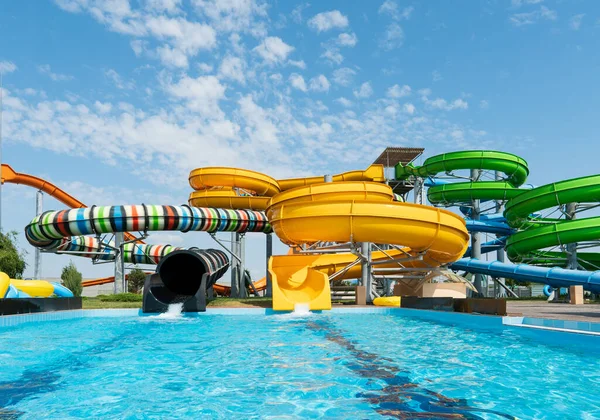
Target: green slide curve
x,y
456,193
546,233
535,235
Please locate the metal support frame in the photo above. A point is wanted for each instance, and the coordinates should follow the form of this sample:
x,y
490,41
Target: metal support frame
x,y
500,283
269,289
234,265
39,208
119,284
365,277
476,236
242,270
418,190
572,263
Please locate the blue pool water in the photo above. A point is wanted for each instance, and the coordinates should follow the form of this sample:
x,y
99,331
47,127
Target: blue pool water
x,y
319,366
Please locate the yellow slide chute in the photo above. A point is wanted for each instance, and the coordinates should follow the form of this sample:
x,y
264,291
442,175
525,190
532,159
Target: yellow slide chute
x,y
355,207
30,288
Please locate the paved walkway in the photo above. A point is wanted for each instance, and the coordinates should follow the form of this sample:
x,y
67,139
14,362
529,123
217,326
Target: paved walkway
x,y
534,309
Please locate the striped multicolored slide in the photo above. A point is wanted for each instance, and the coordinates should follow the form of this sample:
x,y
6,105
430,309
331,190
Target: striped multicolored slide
x,y
65,230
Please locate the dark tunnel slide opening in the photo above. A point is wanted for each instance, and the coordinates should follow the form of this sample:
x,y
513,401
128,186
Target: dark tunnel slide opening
x,y
181,273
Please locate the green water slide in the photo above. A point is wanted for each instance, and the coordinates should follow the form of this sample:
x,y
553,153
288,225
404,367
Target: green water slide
x,y
514,168
538,234
535,234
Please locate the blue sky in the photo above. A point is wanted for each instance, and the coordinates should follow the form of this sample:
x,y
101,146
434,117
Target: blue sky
x,y
116,100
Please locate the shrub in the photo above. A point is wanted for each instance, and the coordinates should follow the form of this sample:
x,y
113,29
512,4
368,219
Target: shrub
x,y
135,280
71,278
120,297
11,260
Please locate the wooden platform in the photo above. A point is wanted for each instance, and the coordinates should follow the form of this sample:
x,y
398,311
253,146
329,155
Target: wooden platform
x,y
535,309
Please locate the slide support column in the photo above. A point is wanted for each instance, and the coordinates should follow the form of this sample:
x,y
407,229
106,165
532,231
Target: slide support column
x,y
242,276
366,278
476,236
119,285
418,190
234,265
39,208
500,253
269,290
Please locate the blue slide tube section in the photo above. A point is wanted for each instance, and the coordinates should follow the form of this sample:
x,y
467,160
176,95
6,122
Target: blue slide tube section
x,y
61,291
555,277
490,246
489,227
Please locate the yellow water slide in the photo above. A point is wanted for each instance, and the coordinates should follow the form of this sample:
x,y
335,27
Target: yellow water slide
x,y
355,207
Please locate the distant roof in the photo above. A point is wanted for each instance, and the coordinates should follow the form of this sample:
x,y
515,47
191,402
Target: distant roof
x,y
392,155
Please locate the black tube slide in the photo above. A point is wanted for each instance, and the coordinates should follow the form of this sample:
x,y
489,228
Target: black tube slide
x,y
183,277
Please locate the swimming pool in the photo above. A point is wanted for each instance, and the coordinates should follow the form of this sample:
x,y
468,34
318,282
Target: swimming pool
x,y
331,365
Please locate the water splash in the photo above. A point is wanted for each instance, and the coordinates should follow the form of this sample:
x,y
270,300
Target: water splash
x,y
301,309
173,312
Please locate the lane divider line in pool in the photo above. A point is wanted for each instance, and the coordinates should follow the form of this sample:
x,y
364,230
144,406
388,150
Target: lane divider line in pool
x,y
565,330
396,399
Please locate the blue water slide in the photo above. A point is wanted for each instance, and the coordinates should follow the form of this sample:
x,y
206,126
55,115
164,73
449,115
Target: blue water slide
x,y
486,226
489,246
61,291
555,277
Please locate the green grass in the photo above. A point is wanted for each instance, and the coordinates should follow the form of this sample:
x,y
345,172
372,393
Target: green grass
x,y
131,300
258,302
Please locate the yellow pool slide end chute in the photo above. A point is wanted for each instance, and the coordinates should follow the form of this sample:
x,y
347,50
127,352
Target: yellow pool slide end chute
x,y
393,301
15,288
352,212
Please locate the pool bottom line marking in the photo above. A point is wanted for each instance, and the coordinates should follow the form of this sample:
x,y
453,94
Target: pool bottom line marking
x,y
394,399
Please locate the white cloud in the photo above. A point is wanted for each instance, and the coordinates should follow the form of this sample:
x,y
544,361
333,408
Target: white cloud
x,y
181,37
440,103
364,91
205,67
575,21
409,108
172,57
347,39
398,91
7,67
392,38
233,68
343,76
483,104
273,50
297,12
297,82
300,64
344,102
118,81
332,54
436,76
519,3
103,107
57,77
529,18
390,8
235,15
137,45
260,129
169,6
328,20
202,94
319,84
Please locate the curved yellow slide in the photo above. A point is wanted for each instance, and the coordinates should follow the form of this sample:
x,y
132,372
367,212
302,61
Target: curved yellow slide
x,y
30,288
353,212
355,207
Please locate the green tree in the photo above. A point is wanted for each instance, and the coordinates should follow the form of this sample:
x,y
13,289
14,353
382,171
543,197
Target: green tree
x,y
11,259
135,280
71,278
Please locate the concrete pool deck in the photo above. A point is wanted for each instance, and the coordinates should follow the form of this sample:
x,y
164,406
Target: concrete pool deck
x,y
564,311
